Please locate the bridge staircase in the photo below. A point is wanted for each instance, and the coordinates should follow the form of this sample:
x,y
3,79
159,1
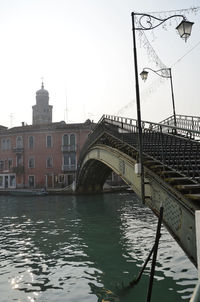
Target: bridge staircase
x,y
173,158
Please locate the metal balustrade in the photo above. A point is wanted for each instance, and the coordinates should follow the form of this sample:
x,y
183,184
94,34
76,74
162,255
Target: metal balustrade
x,y
68,148
173,147
70,167
184,121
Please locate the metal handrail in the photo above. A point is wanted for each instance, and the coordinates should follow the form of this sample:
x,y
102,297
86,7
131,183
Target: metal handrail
x,y
184,121
162,124
191,132
161,142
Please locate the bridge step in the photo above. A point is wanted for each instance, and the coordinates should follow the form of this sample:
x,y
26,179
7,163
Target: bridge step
x,y
167,150
169,147
156,167
183,153
172,158
178,180
170,172
195,197
188,187
151,163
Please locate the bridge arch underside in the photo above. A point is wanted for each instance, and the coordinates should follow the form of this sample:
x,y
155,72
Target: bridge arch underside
x,y
97,165
93,176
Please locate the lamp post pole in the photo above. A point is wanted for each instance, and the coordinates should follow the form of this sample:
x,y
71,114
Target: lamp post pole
x,y
144,75
172,91
184,29
137,91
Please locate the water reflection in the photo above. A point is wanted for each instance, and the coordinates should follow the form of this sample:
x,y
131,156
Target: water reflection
x,y
83,248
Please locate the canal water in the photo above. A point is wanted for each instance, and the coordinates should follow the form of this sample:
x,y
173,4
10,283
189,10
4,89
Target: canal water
x,y
86,248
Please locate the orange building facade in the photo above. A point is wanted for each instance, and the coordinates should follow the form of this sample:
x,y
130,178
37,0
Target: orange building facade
x,y
43,154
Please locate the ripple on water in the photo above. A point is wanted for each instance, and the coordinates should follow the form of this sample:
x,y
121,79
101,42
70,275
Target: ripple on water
x,y
81,248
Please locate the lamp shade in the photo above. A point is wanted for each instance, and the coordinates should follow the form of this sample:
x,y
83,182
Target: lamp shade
x,y
184,29
144,75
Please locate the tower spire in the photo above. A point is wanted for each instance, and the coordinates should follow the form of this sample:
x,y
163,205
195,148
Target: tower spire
x,y
42,87
42,111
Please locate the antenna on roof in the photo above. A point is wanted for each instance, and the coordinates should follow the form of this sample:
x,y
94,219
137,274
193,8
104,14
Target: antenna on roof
x,y
11,120
66,111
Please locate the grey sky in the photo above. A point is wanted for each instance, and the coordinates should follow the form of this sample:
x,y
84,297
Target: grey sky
x,y
83,49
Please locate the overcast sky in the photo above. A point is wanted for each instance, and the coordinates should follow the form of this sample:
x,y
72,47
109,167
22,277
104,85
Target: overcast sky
x,y
83,49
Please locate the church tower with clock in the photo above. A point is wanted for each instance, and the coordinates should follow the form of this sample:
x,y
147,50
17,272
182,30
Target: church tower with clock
x,y
42,111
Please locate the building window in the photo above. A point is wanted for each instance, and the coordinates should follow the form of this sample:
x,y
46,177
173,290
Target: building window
x,y
66,159
69,142
73,159
65,140
10,163
70,179
49,141
31,142
12,181
8,144
1,164
61,178
19,142
69,161
1,180
5,144
19,160
49,162
31,162
31,181
72,140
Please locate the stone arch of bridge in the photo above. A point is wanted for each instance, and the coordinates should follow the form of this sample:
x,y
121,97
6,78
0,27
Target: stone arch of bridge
x,y
98,164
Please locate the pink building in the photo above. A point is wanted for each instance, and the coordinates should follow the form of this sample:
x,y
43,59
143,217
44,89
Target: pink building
x,y
43,154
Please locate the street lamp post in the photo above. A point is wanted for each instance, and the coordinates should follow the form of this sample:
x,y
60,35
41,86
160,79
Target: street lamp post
x,y
184,29
168,75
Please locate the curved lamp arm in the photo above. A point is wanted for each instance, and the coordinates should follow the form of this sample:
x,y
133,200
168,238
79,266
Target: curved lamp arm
x,y
146,23
144,73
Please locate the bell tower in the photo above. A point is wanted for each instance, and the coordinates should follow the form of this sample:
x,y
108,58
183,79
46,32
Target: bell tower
x,y
42,111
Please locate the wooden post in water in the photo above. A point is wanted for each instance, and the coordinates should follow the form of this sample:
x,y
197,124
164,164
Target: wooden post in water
x,y
155,255
197,219
196,293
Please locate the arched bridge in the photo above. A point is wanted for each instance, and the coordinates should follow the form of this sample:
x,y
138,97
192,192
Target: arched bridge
x,y
171,161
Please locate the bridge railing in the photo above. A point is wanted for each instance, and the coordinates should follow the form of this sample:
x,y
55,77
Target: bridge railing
x,y
184,121
159,140
192,129
181,143
92,138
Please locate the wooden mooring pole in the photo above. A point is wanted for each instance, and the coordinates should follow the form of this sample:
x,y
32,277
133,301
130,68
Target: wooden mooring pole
x,y
158,234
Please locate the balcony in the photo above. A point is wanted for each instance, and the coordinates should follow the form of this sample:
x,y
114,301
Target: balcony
x,y
19,170
67,168
68,148
18,150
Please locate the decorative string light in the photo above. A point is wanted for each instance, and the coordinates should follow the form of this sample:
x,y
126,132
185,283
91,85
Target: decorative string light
x,y
152,55
145,94
182,11
144,41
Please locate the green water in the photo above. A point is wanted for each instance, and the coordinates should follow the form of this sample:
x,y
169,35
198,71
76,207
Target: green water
x,y
86,248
